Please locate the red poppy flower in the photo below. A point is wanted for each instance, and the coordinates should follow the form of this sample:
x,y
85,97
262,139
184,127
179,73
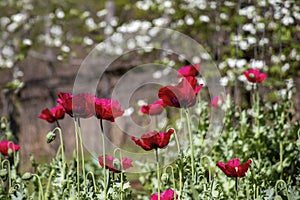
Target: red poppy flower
x,y
109,162
6,145
107,109
80,105
254,76
190,70
154,140
165,195
56,113
65,100
233,168
216,102
155,108
182,95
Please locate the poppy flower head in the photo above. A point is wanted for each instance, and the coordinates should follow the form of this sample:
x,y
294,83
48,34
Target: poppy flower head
x,y
255,76
112,165
233,168
155,108
165,195
6,146
107,109
154,140
56,113
216,102
65,100
83,105
189,70
183,95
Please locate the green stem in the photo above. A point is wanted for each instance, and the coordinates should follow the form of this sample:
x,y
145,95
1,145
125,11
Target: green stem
x,y
236,188
191,143
77,158
8,171
285,186
49,183
82,152
180,156
158,175
93,179
121,175
173,177
209,170
281,158
104,158
41,194
62,151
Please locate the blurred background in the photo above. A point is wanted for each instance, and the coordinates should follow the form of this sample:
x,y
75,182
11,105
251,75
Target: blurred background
x,y
43,44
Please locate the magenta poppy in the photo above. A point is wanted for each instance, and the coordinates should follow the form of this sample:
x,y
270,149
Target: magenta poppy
x,y
65,100
6,145
255,76
182,95
165,195
56,113
109,162
154,140
155,108
80,105
233,168
107,109
190,70
216,102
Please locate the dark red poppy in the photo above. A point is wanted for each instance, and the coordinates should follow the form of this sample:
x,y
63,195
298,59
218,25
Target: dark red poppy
x,y
109,162
6,145
255,76
65,100
154,140
182,95
107,109
56,113
80,105
165,195
155,108
216,102
233,168
189,70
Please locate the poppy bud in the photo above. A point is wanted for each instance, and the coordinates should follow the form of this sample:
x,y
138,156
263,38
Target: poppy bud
x,y
277,197
3,126
298,143
3,172
50,137
27,176
164,177
10,152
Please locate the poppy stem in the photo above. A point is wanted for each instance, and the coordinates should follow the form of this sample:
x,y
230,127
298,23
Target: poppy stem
x,y
191,143
104,158
82,152
41,192
77,158
62,151
257,123
93,179
158,175
8,171
236,188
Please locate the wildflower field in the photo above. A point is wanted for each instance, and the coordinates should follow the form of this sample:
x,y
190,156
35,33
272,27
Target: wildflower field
x,y
220,119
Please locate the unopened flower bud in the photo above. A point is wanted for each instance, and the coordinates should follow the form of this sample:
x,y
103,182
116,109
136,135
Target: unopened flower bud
x,y
164,177
277,197
50,137
3,126
3,172
27,176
